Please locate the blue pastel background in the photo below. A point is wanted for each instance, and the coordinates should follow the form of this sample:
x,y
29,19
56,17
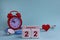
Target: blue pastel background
x,y
34,12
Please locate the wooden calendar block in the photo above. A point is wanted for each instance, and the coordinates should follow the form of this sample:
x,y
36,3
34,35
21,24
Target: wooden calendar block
x,y
26,33
30,32
35,33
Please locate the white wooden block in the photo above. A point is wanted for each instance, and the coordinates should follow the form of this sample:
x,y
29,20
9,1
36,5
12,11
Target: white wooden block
x,y
35,33
26,33
30,32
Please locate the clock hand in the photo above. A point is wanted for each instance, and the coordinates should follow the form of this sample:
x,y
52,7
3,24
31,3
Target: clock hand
x,y
13,21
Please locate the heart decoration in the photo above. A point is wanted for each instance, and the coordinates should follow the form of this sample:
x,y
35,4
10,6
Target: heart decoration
x,y
46,27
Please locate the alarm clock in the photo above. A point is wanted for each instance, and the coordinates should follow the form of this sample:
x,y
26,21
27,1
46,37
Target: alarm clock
x,y
14,21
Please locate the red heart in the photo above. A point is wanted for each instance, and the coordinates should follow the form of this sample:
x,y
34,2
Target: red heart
x,y
46,27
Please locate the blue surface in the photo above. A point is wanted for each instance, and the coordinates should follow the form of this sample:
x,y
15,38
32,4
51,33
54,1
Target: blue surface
x,y
34,12
49,35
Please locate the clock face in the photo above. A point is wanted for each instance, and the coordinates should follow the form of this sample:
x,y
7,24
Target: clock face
x,y
15,22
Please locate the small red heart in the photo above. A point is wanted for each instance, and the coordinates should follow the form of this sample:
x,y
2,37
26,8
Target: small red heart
x,y
46,27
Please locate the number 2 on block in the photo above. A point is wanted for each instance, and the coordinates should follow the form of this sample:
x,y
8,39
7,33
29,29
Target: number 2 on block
x,y
35,33
26,34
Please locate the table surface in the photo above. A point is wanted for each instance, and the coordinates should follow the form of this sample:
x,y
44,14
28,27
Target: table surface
x,y
52,34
